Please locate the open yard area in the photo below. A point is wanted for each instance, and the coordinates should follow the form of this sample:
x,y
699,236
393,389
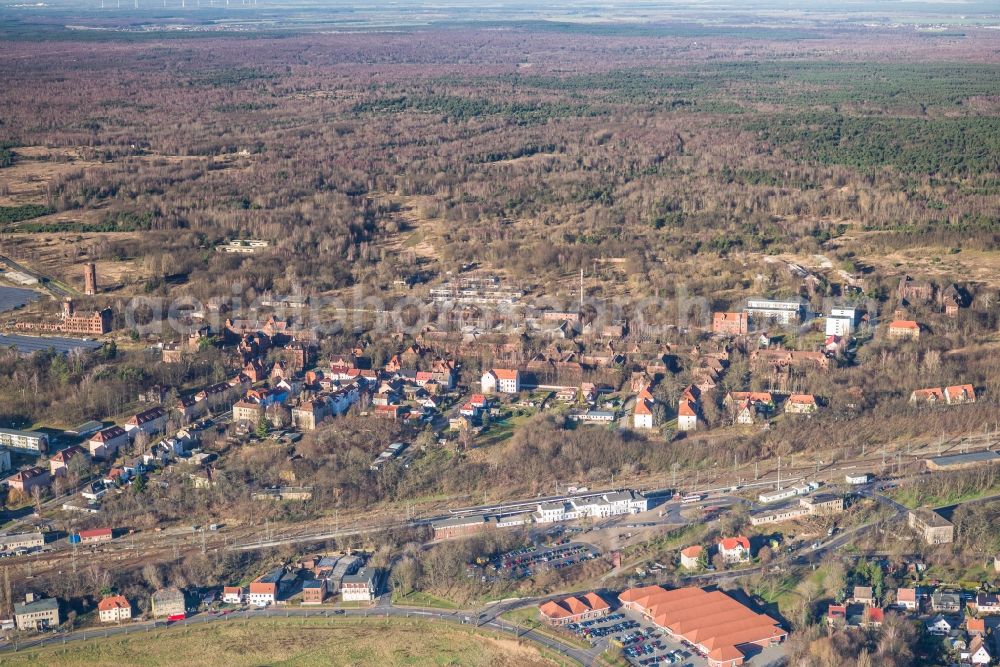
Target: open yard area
x,y
295,642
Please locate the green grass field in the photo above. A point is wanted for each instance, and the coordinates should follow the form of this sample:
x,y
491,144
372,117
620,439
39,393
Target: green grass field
x,y
422,599
295,643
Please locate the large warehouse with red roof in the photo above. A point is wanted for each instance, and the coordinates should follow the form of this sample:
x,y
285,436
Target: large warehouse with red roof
x,y
711,621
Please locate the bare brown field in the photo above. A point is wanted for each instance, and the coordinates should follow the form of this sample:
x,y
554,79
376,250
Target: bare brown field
x,y
27,181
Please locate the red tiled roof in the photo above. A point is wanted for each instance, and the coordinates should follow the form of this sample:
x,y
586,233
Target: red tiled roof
x,y
711,619
931,393
904,324
684,409
725,654
67,454
906,595
754,396
730,543
505,373
966,391
573,606
113,602
110,433
874,614
802,399
693,551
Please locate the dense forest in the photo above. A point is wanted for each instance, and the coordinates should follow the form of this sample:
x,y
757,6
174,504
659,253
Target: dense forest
x,y
518,150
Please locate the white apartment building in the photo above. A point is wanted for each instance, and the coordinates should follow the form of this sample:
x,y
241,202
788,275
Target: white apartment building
x,y
762,311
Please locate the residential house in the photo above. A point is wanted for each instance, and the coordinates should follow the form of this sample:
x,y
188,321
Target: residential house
x,y
929,396
148,422
105,443
836,615
833,344
314,591
360,587
977,652
987,603
114,609
36,614
900,329
959,394
307,415
940,625
906,598
189,407
872,617
762,400
643,415
735,549
954,395
394,412
502,380
233,594
952,300
801,404
691,557
640,380
168,602
975,626
946,603
779,360
30,479
687,416
567,395
73,455
746,413
863,595
247,412
574,609
267,588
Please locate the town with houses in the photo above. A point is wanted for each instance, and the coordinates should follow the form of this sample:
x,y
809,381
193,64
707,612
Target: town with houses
x,y
282,387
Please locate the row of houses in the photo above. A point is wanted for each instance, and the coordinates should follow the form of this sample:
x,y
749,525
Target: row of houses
x,y
325,576
862,609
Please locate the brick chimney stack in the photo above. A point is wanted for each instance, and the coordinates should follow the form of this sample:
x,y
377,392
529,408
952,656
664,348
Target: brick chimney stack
x,y
90,279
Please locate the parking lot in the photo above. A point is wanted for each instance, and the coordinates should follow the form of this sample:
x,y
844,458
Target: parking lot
x,y
525,562
640,641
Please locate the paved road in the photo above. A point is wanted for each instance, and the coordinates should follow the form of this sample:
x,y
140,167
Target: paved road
x,y
583,657
43,281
